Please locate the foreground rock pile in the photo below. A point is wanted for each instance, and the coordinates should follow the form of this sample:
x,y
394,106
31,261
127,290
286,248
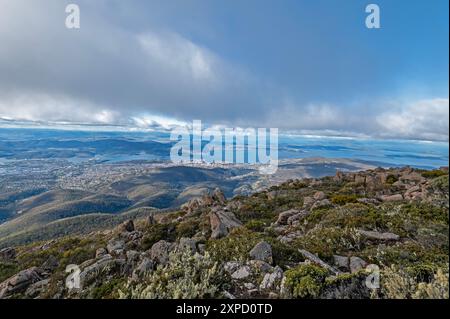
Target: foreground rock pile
x,y
312,238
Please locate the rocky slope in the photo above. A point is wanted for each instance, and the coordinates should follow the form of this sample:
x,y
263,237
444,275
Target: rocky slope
x,y
374,234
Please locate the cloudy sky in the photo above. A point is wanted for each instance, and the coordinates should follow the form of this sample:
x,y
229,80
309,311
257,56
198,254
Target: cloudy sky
x,y
302,66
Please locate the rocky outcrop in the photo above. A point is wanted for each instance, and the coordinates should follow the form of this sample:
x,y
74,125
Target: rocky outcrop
x,y
7,254
222,222
105,265
20,282
127,226
374,235
318,261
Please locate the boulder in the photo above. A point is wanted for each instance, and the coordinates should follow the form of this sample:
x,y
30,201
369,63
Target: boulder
x,y
260,266
133,256
7,254
321,203
318,261
145,267
116,247
222,222
20,282
241,273
374,235
105,265
159,252
342,262
392,198
231,266
50,264
308,202
356,264
295,219
319,195
262,251
34,290
188,243
284,216
218,196
272,280
127,226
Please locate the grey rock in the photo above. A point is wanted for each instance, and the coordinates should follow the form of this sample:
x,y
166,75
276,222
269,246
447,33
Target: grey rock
x,y
222,222
34,290
392,198
262,251
7,254
145,267
260,266
319,195
270,281
160,252
188,243
321,203
103,266
241,273
342,262
318,261
295,219
356,264
50,264
374,235
133,256
284,216
115,247
231,266
127,226
20,282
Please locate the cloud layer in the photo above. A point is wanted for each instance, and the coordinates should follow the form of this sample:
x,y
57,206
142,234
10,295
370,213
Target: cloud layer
x,y
113,72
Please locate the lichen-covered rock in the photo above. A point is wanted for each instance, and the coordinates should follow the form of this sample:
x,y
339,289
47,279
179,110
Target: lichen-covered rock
x,y
272,280
116,247
241,273
262,251
356,264
374,235
20,282
284,216
160,252
222,222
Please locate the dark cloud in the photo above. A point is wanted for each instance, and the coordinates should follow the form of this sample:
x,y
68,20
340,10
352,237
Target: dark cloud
x,y
121,69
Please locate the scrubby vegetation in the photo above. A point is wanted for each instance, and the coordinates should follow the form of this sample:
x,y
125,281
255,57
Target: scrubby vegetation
x,y
254,246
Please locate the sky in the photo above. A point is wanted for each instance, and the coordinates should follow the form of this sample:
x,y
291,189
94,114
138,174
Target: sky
x,y
310,67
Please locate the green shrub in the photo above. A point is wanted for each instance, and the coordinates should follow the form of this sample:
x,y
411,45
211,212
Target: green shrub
x,y
7,270
187,228
186,276
391,179
434,173
344,199
396,283
284,255
155,233
235,247
305,281
256,225
107,290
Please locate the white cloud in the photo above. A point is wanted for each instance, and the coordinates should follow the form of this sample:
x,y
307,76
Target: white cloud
x,y
425,119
